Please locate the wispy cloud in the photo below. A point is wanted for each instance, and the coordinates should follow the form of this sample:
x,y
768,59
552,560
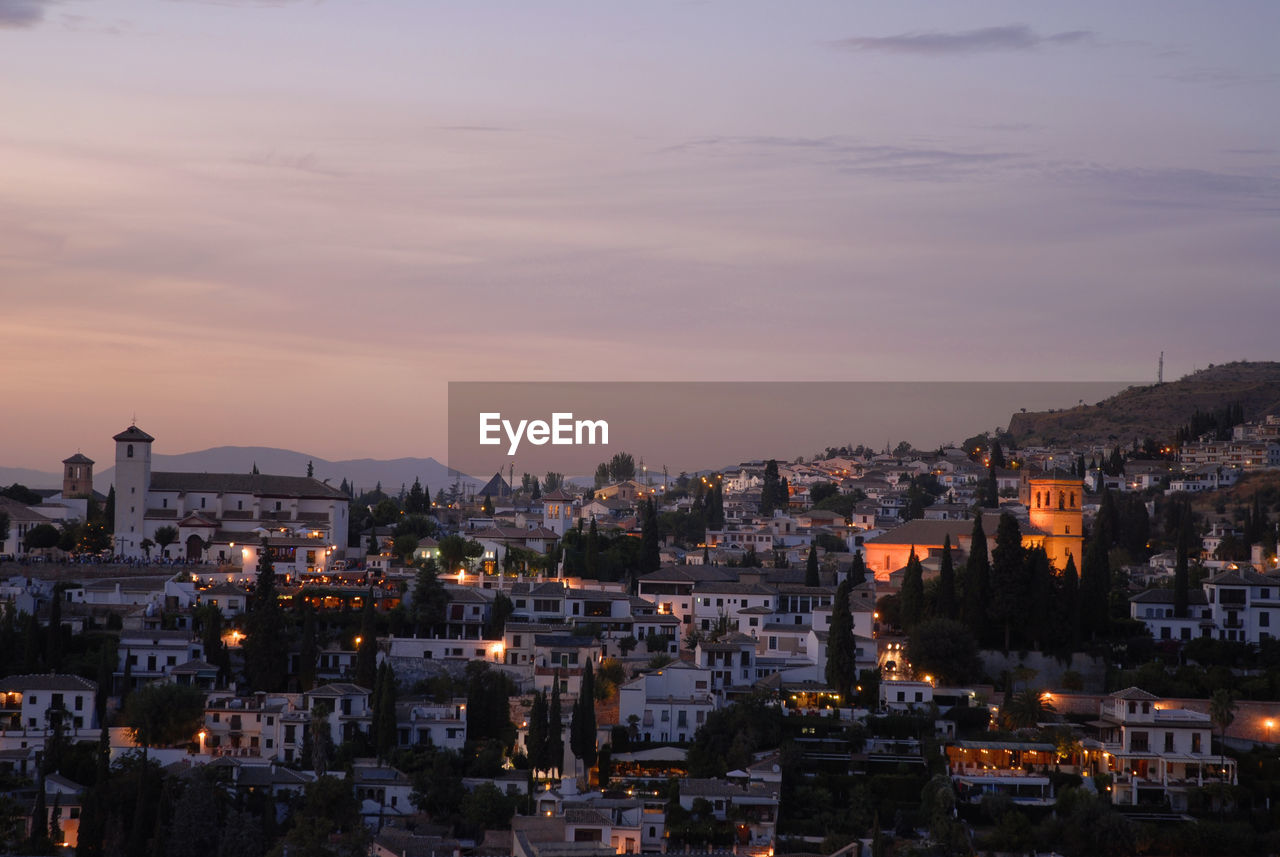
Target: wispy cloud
x,y
1222,78
1184,188
851,156
1012,37
22,13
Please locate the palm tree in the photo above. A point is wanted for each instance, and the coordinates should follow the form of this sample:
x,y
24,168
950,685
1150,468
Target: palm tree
x,y
1222,711
1027,708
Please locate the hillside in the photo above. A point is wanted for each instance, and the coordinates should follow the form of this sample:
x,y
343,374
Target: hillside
x,y
1156,410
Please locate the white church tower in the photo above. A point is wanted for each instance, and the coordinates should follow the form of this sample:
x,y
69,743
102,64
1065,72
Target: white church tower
x,y
132,480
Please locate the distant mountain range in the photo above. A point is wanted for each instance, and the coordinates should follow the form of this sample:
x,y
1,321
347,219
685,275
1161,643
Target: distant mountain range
x,y
362,473
1155,410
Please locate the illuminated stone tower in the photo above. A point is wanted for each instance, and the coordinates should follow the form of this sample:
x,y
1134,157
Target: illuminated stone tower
x,y
77,476
1055,502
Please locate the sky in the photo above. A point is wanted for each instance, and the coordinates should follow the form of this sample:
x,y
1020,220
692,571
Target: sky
x,y
292,222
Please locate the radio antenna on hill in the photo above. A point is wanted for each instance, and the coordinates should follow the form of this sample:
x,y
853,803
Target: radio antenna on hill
x,y
1160,369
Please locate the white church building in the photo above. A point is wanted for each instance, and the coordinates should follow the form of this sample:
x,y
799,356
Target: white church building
x,y
223,517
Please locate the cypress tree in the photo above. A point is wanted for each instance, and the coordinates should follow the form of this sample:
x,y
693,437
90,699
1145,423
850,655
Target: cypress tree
x,y
842,667
264,646
555,729
591,559
367,651
811,568
1071,605
1095,586
536,737
977,573
1181,574
310,650
582,731
946,604
857,570
650,541
997,454
385,731
1036,618
1009,590
769,490
912,593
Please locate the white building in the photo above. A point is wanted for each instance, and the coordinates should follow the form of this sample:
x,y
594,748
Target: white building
x,y
1156,752
213,510
669,704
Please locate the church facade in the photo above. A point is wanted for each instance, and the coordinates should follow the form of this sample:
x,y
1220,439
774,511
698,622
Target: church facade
x,y
223,517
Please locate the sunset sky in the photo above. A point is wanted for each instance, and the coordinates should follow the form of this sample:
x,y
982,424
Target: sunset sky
x,y
292,223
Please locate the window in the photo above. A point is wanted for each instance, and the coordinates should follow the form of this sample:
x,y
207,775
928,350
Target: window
x,y
79,703
128,452
1264,619
1168,742
666,716
1195,742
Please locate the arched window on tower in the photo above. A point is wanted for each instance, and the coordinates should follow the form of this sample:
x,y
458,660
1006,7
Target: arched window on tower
x,y
1073,499
128,451
1062,500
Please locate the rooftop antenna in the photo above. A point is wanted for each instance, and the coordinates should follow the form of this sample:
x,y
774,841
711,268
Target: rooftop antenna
x,y
1160,369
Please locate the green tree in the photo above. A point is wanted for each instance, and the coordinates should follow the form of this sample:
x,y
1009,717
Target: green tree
x,y
430,598
1037,618
1095,584
912,592
195,831
1009,590
650,538
536,736
41,537
418,502
499,613
591,558
858,570
385,733
161,715
1222,712
1070,606
310,650
945,598
1181,574
811,568
487,505
327,824
945,649
367,647
769,489
555,728
457,552
264,646
842,667
582,730
977,574
165,536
